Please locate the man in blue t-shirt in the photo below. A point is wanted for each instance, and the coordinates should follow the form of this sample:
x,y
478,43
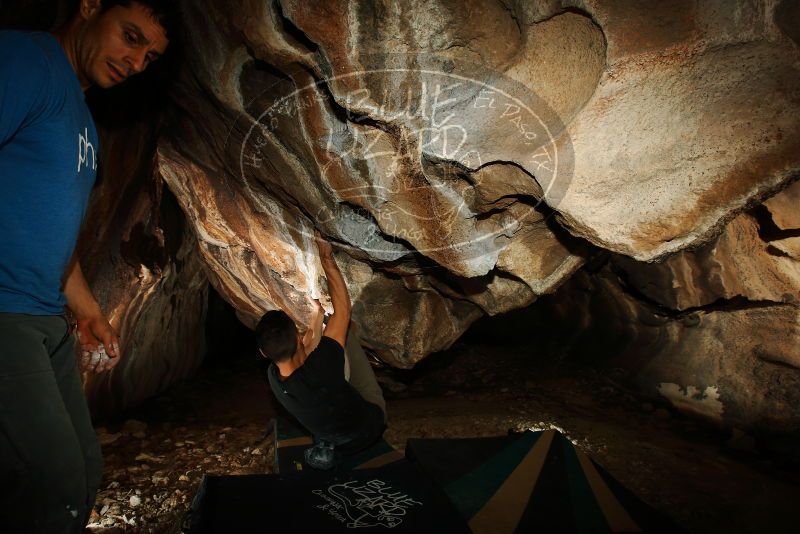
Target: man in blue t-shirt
x,y
347,413
50,461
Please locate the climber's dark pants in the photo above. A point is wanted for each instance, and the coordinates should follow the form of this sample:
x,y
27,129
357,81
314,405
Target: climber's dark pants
x,y
50,461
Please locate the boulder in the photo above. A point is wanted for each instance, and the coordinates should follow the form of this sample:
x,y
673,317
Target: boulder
x,y
475,170
140,260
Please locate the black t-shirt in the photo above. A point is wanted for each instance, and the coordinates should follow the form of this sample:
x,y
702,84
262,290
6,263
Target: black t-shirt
x,y
319,397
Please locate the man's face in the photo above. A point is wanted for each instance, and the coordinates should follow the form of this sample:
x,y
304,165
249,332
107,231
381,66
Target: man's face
x,y
119,43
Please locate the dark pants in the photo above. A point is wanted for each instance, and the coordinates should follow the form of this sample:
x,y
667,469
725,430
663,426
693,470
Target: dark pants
x,y
50,461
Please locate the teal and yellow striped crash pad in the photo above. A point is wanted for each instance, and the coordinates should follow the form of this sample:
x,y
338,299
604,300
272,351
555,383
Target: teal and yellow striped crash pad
x,y
532,482
291,442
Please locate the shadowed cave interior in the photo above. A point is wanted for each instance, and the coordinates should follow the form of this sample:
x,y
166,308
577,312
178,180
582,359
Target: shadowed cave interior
x,y
631,281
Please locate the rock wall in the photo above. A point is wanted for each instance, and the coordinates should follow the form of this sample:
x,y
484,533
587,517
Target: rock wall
x,y
715,331
461,173
730,321
467,158
140,259
430,200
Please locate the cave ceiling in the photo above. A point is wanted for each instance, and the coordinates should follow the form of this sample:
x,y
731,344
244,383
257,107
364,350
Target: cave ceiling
x,y
468,157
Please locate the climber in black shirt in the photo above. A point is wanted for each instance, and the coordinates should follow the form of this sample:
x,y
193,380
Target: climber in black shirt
x,y
312,386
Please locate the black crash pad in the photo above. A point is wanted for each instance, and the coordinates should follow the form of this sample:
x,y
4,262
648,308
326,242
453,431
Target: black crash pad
x,y
398,496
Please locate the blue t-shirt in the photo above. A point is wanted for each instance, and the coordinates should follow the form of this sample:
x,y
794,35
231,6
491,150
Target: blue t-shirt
x,y
48,162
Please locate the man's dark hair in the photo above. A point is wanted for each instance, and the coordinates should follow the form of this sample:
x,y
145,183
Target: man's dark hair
x,y
276,334
164,11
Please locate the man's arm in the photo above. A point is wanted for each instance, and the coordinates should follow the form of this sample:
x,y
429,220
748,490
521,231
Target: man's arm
x,y
339,322
314,332
93,327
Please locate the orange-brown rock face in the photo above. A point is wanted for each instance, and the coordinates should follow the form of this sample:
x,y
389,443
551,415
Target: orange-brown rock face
x,y
466,158
715,330
427,169
142,264
444,147
734,308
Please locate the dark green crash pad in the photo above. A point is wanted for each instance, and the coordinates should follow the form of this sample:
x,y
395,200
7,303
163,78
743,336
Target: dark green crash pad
x,y
532,482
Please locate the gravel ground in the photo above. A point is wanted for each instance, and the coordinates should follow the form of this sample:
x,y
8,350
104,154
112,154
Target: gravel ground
x,y
216,423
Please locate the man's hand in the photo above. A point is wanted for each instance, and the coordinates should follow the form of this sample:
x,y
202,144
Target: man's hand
x,y
99,344
314,332
339,322
324,247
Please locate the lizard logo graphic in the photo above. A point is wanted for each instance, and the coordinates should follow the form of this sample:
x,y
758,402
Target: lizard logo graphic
x,y
426,156
369,504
